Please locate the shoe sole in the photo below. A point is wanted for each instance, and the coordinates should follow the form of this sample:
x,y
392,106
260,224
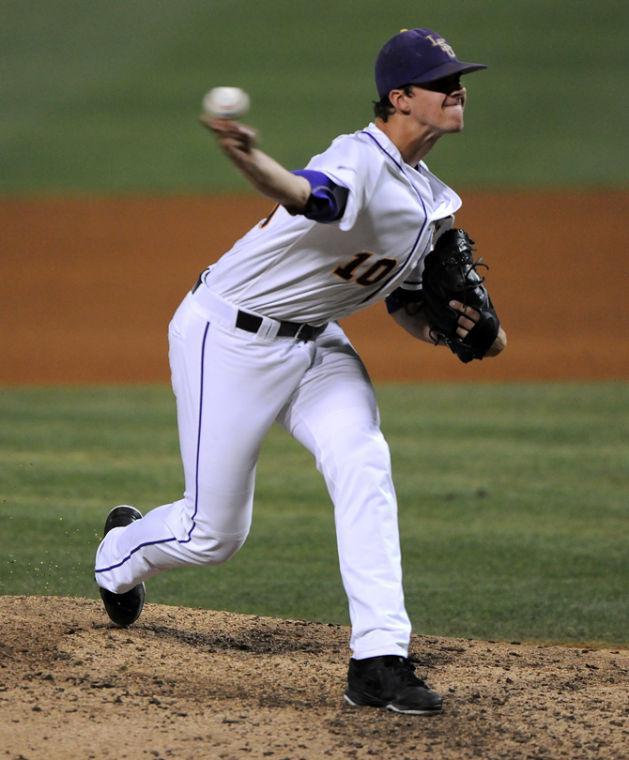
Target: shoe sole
x,y
111,602
132,514
117,614
392,707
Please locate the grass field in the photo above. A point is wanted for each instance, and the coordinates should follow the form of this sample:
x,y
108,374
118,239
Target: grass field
x,y
103,97
513,506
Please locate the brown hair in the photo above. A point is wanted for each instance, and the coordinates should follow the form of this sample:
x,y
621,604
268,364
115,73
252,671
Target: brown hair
x,y
382,108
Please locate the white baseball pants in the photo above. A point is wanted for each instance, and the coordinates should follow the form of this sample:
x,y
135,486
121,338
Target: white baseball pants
x,y
230,387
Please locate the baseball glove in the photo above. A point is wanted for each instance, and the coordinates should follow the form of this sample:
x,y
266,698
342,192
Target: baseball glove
x,y
450,275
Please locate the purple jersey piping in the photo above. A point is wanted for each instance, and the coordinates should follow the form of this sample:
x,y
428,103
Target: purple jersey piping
x,y
421,200
196,478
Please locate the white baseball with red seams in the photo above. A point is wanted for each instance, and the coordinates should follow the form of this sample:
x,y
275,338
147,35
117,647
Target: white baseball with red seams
x,y
226,102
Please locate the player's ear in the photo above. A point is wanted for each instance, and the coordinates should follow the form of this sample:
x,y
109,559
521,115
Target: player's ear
x,y
399,100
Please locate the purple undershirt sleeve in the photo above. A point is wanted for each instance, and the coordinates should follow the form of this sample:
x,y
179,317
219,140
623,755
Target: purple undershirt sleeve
x,y
327,199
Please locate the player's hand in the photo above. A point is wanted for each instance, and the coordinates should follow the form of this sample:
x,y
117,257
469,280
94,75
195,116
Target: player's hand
x,y
235,139
239,143
468,317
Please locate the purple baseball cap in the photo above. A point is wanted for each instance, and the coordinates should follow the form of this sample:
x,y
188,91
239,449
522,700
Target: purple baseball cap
x,y
417,56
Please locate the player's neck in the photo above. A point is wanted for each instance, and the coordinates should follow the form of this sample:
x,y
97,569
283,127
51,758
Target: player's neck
x,y
413,143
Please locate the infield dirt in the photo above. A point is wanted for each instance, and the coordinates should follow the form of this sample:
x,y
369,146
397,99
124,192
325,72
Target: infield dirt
x,y
88,286
186,684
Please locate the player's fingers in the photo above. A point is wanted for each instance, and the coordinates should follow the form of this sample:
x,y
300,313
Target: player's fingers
x,y
227,127
214,125
467,311
465,323
235,149
216,122
232,147
242,139
220,127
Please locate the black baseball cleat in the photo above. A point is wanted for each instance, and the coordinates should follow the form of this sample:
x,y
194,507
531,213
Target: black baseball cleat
x,y
123,609
389,681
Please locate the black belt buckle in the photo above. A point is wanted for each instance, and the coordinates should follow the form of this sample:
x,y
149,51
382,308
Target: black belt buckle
x,y
298,331
304,332
248,322
309,332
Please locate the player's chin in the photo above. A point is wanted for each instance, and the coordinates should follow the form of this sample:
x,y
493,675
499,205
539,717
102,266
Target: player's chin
x,y
452,129
454,119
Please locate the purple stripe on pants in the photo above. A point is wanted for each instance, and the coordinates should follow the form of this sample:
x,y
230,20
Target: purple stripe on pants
x,y
196,476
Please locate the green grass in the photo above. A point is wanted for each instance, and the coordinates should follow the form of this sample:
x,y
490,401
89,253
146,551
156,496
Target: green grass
x,y
104,96
513,506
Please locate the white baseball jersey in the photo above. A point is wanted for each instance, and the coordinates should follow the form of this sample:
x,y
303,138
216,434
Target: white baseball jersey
x,y
232,384
292,268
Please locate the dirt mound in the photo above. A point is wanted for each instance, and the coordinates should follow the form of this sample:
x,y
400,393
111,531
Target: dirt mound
x,y
186,683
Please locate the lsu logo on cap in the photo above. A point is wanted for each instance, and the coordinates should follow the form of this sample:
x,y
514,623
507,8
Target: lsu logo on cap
x,y
441,43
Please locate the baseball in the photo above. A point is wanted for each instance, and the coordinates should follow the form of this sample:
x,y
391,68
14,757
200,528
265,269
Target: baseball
x,y
226,102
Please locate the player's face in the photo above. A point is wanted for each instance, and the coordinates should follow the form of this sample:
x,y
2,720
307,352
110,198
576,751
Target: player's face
x,y
440,104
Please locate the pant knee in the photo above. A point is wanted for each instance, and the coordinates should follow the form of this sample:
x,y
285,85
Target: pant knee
x,y
362,454
213,550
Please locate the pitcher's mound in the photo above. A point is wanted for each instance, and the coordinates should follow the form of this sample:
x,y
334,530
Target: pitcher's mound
x,y
186,683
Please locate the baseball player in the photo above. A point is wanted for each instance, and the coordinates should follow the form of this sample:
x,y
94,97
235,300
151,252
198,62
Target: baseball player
x,y
257,341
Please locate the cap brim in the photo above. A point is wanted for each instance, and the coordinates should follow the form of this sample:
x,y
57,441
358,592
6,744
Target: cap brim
x,y
446,70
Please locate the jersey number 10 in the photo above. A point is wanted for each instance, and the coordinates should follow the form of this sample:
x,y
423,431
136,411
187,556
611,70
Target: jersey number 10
x,y
369,276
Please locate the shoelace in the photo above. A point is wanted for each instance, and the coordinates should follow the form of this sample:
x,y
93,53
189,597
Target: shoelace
x,y
406,669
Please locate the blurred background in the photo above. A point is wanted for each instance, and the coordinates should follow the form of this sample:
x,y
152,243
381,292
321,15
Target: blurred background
x,y
513,473
113,198
102,97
